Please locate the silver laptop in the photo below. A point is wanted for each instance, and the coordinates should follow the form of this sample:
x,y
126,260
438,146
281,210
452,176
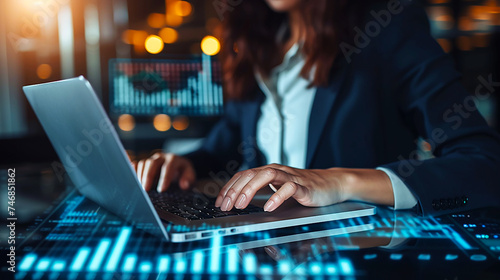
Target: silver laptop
x,y
95,160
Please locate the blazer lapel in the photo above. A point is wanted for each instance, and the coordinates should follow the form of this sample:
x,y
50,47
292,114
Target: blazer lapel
x,y
321,108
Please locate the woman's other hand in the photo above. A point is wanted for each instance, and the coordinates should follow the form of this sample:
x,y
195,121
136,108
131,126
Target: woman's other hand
x,y
161,169
310,187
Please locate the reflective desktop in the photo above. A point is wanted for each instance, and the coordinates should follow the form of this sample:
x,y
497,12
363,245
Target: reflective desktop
x,y
74,238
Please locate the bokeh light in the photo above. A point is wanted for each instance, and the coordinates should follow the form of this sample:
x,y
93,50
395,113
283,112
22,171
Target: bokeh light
x,y
168,35
162,122
156,20
210,45
44,71
182,8
135,37
181,123
173,20
154,44
128,36
126,122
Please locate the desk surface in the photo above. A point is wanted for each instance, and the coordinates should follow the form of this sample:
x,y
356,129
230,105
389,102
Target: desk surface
x,y
76,239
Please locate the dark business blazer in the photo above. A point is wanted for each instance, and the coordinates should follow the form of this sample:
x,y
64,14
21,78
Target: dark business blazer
x,y
400,86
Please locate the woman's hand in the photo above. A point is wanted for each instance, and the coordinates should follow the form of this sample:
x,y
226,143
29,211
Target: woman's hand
x,y
310,187
161,169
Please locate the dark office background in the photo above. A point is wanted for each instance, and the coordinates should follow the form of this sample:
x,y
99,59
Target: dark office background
x,y
47,40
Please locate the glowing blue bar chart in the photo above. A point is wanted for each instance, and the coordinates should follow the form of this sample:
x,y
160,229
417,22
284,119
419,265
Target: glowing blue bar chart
x,y
129,263
215,254
58,266
80,259
163,263
118,249
27,262
99,255
197,262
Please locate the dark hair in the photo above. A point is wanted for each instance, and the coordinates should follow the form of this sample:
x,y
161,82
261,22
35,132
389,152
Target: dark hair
x,y
249,40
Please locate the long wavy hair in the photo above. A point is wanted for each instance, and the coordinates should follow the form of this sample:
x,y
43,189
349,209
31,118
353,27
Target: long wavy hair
x,y
249,40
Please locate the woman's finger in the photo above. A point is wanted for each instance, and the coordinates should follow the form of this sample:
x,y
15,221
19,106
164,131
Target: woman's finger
x,y
243,177
286,191
262,179
187,177
275,253
152,168
169,172
140,169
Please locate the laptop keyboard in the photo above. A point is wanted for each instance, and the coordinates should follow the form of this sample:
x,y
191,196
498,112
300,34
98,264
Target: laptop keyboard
x,y
194,206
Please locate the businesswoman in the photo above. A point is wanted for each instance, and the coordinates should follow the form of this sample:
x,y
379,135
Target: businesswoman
x,y
325,99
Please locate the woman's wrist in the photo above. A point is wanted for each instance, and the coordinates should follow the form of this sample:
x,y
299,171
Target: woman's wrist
x,y
368,185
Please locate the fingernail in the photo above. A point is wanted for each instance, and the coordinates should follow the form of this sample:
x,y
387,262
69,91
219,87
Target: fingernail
x,y
185,184
160,183
241,201
269,206
225,204
272,252
218,201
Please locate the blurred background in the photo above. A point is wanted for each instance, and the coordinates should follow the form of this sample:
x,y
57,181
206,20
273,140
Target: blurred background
x,y
47,40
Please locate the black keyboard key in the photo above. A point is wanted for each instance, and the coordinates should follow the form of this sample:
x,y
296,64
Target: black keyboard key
x,y
194,206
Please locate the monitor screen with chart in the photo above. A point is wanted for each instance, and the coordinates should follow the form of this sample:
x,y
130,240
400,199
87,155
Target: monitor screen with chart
x,y
191,87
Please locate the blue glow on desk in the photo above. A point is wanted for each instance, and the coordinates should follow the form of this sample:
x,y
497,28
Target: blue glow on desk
x,y
80,259
43,265
27,262
129,263
315,268
118,249
370,256
284,267
249,263
396,257
180,265
424,257
461,241
232,260
331,269
215,254
266,269
163,263
346,266
145,267
58,266
451,257
99,255
82,251
197,262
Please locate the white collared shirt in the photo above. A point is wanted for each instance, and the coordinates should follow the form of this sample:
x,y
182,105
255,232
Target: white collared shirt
x,y
283,126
